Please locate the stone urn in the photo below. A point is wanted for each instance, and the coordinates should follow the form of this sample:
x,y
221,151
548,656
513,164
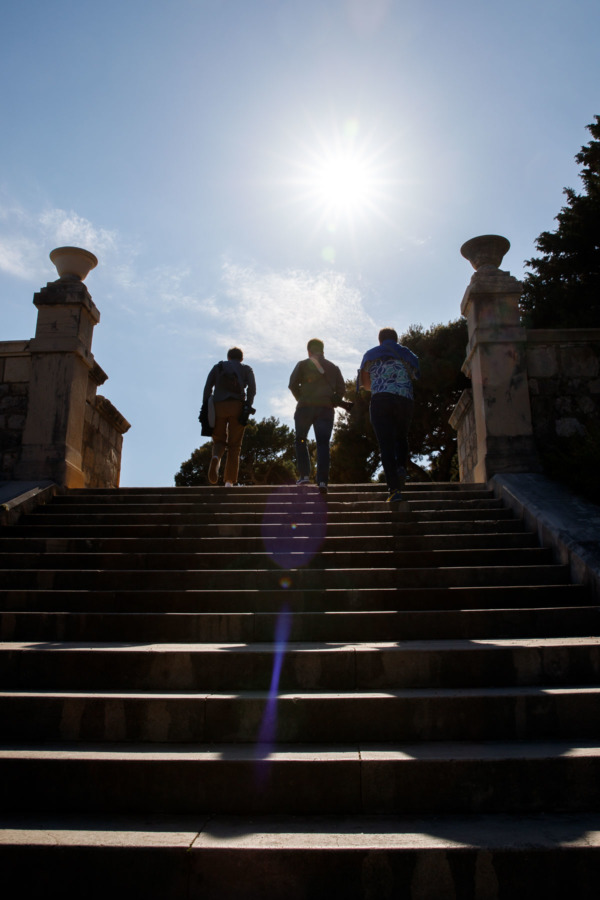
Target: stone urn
x,y
487,250
73,263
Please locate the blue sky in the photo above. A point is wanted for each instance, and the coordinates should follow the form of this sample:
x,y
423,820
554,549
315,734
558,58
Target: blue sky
x,y
259,172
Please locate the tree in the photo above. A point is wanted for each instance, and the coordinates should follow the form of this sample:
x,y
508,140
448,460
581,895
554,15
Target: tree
x,y
354,450
563,291
441,350
267,457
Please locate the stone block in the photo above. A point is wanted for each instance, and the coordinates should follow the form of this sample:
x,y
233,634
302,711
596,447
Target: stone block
x,y
542,361
569,426
17,369
579,361
586,405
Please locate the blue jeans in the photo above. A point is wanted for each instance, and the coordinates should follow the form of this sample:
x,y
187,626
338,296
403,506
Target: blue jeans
x,y
390,417
321,418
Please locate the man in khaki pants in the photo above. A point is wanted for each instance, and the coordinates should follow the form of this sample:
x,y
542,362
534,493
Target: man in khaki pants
x,y
234,388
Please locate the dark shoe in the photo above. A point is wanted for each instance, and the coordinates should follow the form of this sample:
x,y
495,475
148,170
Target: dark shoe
x,y
322,487
395,496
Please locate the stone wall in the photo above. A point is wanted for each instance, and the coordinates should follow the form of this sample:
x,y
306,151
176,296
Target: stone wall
x,y
563,370
463,422
102,443
15,371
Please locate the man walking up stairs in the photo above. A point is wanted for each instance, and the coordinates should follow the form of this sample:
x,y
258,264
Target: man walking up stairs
x,y
271,693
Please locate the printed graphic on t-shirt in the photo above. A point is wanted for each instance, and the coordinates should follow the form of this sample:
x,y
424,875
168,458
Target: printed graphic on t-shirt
x,y
391,376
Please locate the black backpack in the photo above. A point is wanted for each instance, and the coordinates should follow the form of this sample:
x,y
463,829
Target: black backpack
x,y
229,382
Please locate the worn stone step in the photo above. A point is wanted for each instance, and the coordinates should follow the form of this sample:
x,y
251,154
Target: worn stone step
x,y
367,779
257,494
336,599
285,554
300,666
261,541
419,714
438,857
391,518
338,625
300,579
389,528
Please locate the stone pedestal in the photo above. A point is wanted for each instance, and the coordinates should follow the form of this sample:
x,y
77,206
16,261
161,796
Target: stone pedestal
x,y
61,360
496,365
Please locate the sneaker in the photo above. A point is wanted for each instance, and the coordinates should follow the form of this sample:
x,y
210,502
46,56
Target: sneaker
x,y
322,487
213,470
304,480
394,497
228,484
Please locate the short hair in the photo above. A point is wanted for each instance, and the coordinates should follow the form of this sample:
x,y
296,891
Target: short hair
x,y
315,346
388,334
235,353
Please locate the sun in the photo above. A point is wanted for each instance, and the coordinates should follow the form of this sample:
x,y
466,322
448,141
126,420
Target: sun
x,y
342,177
343,183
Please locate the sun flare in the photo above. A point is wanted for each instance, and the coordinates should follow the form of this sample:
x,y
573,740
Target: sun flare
x,y
343,177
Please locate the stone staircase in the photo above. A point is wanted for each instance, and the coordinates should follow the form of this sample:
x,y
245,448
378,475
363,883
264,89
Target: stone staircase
x,y
263,693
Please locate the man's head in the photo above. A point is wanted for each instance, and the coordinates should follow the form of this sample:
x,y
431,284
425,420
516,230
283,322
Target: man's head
x,y
388,334
315,347
235,353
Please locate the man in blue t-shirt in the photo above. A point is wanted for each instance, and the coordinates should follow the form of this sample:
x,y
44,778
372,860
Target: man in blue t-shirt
x,y
388,371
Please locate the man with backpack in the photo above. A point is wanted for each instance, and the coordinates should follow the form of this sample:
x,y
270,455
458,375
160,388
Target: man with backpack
x,y
232,387
318,386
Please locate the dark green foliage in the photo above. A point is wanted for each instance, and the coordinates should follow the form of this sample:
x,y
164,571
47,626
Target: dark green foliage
x,y
563,291
267,457
354,450
441,350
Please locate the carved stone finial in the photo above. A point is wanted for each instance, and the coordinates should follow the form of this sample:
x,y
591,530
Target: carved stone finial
x,y
487,250
73,263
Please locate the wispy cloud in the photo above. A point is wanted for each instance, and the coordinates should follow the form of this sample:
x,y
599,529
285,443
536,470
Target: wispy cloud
x,y
272,314
26,237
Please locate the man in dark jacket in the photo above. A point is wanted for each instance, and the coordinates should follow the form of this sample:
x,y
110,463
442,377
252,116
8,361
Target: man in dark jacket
x,y
234,389
388,371
318,385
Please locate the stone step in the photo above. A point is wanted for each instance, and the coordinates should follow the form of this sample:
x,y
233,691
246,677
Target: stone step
x,y
316,505
42,528
419,714
376,625
47,515
318,857
200,490
306,666
286,554
256,544
300,579
256,494
315,600
367,779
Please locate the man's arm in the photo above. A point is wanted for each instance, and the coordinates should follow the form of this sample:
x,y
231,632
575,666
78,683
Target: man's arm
x,y
250,386
210,383
295,382
364,379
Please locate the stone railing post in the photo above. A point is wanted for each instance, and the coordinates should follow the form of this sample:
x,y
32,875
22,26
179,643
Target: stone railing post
x,y
496,363
61,360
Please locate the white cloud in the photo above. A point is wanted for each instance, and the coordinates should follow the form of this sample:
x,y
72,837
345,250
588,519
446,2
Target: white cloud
x,y
27,237
273,314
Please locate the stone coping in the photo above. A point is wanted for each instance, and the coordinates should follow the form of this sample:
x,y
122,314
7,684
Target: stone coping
x,y
17,497
563,521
